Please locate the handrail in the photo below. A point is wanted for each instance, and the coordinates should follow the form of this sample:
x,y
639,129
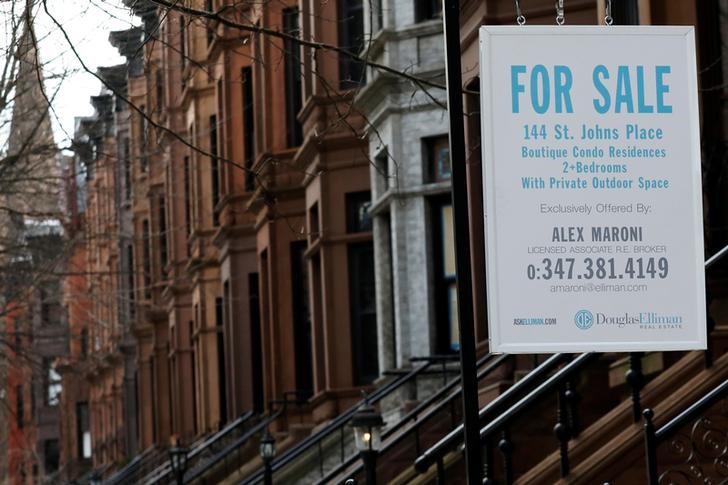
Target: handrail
x,y
558,378
293,453
414,414
716,257
166,468
221,434
129,468
652,437
263,424
450,440
693,411
134,467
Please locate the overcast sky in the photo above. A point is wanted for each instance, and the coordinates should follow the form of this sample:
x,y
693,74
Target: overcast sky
x,y
87,23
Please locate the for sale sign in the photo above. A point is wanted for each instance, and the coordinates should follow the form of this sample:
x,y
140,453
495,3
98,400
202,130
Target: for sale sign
x,y
593,213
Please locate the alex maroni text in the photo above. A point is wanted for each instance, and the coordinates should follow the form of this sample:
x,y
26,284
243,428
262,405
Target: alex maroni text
x,y
597,234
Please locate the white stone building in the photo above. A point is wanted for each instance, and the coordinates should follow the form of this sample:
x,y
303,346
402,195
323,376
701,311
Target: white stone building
x,y
410,171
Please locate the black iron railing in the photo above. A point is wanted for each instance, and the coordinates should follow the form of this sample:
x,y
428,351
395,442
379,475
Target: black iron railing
x,y
444,401
230,457
138,467
206,449
567,422
436,453
700,453
337,428
130,470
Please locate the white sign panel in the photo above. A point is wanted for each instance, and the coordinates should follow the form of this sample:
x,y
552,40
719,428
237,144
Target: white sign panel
x,y
593,212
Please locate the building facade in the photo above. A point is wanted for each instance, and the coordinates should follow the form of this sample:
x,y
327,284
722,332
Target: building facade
x,y
410,172
33,259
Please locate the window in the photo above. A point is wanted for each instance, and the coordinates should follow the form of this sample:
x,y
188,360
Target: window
x,y
222,384
18,336
163,251
437,157
19,407
313,222
248,127
358,218
443,245
159,84
130,280
255,336
626,13
33,394
351,38
214,171
126,163
146,260
303,344
84,343
210,29
83,431
182,47
143,161
188,202
381,162
221,138
363,313
380,14
52,385
193,365
292,61
427,10
50,456
50,308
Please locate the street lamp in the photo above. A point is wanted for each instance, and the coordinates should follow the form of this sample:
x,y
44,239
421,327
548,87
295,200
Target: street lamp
x,y
267,452
95,478
367,424
178,460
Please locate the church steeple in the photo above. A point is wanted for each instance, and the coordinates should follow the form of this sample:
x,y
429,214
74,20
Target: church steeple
x,y
30,177
30,122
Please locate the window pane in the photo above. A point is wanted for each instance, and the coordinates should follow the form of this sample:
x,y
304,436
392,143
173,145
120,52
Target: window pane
x,y
448,242
454,326
54,387
87,444
437,157
358,218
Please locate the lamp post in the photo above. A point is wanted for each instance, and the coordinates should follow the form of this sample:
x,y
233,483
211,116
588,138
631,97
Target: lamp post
x,y
367,424
267,452
178,460
95,478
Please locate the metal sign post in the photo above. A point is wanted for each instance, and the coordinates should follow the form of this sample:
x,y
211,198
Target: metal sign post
x,y
451,15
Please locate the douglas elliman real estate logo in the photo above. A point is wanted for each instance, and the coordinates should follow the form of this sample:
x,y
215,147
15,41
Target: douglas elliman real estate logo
x,y
584,319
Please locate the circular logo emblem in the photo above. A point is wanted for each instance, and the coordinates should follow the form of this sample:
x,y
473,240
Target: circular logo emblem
x,y
584,319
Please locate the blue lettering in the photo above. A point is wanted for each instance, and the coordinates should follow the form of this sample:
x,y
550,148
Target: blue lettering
x,y
662,89
540,107
641,106
562,87
516,87
624,91
601,71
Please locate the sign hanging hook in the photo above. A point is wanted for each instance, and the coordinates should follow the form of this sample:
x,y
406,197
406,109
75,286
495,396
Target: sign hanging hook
x,y
608,17
519,15
560,12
